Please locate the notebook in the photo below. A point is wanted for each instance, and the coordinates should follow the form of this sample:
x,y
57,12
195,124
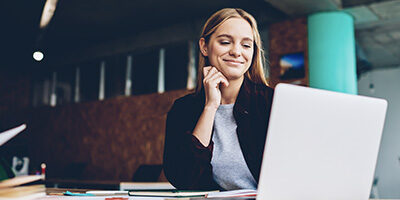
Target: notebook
x,y
320,145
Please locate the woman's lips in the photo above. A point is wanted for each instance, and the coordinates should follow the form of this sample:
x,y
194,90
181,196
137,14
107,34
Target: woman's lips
x,y
233,62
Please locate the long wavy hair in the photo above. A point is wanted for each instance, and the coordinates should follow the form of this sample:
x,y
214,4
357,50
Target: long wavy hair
x,y
256,71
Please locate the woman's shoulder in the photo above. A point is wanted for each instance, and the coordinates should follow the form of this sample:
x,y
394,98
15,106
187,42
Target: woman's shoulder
x,y
188,98
262,89
188,101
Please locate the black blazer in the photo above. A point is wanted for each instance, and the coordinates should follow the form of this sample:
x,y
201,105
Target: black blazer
x,y
187,163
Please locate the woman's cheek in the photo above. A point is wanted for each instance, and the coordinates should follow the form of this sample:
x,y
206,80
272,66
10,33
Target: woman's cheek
x,y
248,57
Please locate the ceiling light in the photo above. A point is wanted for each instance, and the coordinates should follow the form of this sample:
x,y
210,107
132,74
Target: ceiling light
x,y
38,55
48,12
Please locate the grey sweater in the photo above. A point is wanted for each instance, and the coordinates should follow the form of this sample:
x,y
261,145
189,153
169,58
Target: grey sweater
x,y
230,170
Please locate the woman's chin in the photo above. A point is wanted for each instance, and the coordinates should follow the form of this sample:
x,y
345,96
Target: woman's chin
x,y
231,73
234,76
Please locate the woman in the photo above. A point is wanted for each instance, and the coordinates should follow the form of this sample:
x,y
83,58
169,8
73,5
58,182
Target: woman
x,y
215,137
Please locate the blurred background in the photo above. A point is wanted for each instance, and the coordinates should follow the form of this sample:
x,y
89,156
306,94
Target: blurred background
x,y
93,80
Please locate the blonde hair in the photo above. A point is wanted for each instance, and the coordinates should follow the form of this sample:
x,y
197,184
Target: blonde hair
x,y
256,70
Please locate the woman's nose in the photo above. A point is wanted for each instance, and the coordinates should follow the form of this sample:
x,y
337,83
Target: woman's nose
x,y
235,51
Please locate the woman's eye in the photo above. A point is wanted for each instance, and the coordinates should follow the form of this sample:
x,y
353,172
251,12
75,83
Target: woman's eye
x,y
224,42
247,45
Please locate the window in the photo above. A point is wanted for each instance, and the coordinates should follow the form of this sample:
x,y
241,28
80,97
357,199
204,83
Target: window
x,y
115,75
171,67
90,80
65,85
176,66
145,72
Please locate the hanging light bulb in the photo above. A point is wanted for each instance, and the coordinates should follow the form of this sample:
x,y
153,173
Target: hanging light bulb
x,y
38,55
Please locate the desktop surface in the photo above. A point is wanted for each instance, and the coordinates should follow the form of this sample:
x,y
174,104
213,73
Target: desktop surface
x,y
56,193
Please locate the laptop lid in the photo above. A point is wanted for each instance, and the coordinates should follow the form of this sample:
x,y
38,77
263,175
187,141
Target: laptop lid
x,y
320,145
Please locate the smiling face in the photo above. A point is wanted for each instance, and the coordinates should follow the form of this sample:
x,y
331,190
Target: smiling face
x,y
230,48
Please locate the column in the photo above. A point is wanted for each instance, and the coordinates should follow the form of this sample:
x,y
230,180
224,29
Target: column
x,y
331,51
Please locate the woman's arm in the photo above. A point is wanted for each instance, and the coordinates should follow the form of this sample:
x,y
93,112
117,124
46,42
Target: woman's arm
x,y
187,153
211,82
186,160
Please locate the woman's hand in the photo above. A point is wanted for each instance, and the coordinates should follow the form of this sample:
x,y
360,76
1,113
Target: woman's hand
x,y
211,82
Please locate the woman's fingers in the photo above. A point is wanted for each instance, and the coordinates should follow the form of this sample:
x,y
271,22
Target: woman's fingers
x,y
218,78
211,72
212,81
206,70
209,76
224,80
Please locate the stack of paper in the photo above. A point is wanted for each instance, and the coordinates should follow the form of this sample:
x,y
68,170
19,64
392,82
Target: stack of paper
x,y
16,188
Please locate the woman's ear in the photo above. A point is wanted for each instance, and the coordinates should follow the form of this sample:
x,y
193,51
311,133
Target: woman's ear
x,y
203,47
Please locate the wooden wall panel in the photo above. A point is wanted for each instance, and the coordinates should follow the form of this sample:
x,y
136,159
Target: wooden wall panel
x,y
287,37
15,91
103,140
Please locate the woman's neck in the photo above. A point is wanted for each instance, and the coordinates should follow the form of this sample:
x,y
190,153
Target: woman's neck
x,y
230,93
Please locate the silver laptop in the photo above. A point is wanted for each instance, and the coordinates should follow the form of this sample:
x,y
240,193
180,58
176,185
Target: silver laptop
x,y
320,145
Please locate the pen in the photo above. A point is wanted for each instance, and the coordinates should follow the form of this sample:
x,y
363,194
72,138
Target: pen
x,y
68,193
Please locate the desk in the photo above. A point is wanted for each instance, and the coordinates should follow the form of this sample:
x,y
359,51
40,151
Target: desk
x,y
61,190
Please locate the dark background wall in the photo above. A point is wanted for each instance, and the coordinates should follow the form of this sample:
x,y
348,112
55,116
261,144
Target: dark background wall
x,y
102,140
15,91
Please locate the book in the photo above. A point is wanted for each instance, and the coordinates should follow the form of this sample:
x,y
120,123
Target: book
x,y
146,186
25,197
21,191
233,193
20,180
174,194
16,188
125,187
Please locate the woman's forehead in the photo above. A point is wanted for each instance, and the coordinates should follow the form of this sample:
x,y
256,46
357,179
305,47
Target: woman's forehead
x,y
237,28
